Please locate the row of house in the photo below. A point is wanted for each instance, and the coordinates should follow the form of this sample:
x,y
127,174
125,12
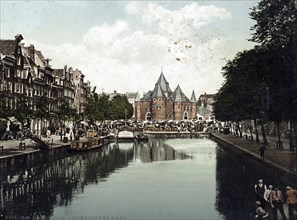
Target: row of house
x,y
25,74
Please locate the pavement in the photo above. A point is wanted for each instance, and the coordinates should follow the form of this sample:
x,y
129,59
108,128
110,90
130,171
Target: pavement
x,y
283,159
12,146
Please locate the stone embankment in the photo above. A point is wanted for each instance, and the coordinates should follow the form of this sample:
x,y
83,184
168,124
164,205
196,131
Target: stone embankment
x,y
281,164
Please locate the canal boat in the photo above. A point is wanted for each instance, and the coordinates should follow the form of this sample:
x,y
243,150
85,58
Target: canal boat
x,y
90,142
86,144
124,135
141,137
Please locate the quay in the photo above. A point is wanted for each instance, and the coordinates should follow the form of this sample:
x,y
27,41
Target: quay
x,y
15,152
281,164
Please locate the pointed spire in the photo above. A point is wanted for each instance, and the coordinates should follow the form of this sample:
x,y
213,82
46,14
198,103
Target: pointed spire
x,y
193,97
163,83
179,96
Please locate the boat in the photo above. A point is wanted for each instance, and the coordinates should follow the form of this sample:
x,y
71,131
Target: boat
x,y
141,137
125,136
86,144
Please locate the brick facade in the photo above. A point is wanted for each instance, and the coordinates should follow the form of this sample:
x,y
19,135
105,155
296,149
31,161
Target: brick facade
x,y
163,104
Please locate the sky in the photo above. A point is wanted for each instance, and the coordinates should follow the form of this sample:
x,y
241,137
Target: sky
x,y
124,45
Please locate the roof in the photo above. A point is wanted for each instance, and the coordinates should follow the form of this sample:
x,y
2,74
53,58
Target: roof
x,y
132,95
163,83
207,95
179,96
158,92
193,97
7,47
58,72
147,96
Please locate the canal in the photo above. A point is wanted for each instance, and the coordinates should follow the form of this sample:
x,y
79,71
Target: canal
x,y
165,178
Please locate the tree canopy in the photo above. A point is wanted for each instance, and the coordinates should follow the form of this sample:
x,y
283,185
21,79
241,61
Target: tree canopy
x,y
100,107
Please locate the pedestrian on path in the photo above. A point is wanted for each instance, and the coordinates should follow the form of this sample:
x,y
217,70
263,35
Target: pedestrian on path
x,y
260,189
292,201
266,197
276,201
262,149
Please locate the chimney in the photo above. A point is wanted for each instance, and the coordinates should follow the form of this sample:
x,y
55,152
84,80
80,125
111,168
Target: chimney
x,y
32,52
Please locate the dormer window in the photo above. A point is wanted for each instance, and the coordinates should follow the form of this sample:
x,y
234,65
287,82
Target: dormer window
x,y
160,100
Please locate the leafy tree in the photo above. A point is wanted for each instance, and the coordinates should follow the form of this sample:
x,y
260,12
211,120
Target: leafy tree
x,y
276,29
121,108
42,110
23,111
240,98
66,112
98,108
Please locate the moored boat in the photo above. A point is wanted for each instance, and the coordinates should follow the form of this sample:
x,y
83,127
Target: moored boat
x,y
125,136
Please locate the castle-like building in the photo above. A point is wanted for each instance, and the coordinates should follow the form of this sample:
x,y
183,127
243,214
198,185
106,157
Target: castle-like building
x,y
163,104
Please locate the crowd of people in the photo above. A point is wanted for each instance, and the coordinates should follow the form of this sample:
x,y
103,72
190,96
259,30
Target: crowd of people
x,y
270,200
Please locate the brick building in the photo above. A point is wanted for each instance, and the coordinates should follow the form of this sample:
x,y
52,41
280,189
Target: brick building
x,y
163,104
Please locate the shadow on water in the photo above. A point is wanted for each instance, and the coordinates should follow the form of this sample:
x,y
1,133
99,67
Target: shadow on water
x,y
32,191
236,178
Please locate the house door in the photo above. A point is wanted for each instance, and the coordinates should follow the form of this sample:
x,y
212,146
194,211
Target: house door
x,y
148,116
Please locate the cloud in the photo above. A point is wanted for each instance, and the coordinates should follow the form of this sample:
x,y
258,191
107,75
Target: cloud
x,y
127,56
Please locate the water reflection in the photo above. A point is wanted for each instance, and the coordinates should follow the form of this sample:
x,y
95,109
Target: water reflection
x,y
33,192
236,177
157,150
175,178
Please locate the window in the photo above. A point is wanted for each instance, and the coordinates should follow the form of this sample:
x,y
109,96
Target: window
x,y
160,100
8,73
18,73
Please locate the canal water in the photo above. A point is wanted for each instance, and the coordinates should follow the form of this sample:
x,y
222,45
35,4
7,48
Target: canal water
x,y
165,178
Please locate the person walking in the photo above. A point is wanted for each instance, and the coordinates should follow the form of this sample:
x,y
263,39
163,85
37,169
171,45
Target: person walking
x,y
276,201
262,151
267,197
292,201
260,189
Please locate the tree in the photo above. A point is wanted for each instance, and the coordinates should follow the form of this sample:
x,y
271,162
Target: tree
x,y
23,111
276,29
42,110
121,108
98,108
66,112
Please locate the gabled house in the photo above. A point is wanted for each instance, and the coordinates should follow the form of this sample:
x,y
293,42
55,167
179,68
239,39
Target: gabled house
x,y
11,72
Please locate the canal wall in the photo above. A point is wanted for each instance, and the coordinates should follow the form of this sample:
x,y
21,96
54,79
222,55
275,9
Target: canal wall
x,y
33,156
177,134
277,172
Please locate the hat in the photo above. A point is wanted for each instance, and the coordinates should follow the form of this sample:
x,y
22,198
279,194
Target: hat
x,y
270,187
289,187
260,181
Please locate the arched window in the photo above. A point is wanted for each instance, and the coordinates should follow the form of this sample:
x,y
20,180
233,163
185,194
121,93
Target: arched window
x,y
148,116
185,116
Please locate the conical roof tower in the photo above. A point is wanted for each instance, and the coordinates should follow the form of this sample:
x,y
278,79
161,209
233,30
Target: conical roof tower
x,y
193,97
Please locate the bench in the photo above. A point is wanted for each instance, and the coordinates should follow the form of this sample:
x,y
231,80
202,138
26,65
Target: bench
x,y
22,146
